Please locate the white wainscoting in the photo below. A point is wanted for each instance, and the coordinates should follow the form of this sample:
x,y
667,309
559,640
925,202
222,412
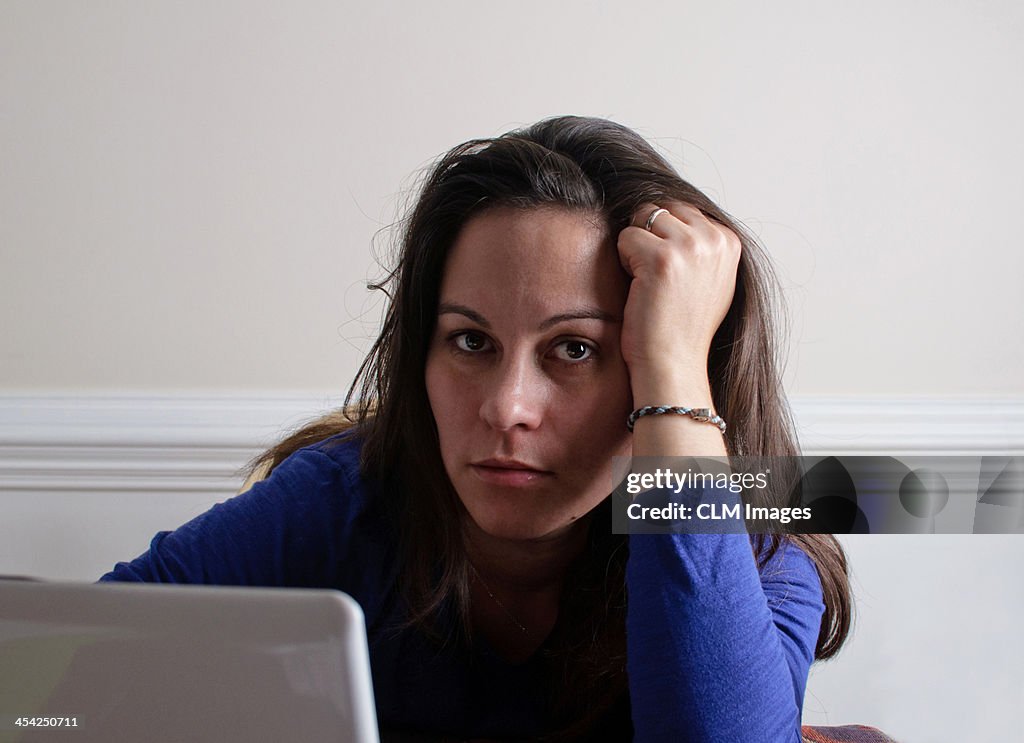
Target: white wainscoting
x,y
138,442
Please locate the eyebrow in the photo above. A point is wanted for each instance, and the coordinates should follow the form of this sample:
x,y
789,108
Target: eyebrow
x,y
582,313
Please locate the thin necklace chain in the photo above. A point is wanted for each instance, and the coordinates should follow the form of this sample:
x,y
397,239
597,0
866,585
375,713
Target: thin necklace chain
x,y
512,617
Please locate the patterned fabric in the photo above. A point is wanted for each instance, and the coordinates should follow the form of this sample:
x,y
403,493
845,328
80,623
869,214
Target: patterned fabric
x,y
844,734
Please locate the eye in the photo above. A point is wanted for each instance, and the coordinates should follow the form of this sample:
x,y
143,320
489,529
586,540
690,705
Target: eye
x,y
470,342
574,351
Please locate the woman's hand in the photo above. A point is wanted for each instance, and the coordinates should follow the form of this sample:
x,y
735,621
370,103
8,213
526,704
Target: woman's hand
x,y
684,279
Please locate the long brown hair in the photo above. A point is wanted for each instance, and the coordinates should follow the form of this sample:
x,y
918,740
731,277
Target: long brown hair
x,y
603,168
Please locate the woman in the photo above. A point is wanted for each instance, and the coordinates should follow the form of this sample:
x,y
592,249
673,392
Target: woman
x,y
550,282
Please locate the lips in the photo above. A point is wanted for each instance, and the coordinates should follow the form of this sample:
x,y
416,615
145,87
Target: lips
x,y
509,472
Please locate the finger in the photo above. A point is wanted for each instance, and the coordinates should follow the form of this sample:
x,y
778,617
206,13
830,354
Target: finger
x,y
685,224
687,213
694,219
636,245
641,214
713,233
664,224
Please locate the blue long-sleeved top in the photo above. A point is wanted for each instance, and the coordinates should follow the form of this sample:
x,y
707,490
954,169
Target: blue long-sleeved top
x,y
717,650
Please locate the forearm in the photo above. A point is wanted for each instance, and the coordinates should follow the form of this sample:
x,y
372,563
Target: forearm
x,y
707,659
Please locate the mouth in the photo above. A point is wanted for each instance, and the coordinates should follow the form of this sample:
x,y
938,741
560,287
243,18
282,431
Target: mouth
x,y
509,472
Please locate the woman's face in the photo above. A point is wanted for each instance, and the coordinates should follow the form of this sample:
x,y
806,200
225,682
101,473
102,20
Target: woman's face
x,y
524,374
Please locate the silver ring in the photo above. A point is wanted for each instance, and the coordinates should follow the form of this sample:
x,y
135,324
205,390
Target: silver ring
x,y
654,215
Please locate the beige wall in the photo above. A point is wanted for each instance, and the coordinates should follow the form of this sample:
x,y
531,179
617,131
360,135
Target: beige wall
x,y
188,191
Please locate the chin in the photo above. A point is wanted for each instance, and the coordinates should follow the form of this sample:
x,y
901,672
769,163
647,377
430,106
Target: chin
x,y
520,527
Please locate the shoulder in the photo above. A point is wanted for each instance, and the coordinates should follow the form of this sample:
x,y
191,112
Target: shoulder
x,y
317,509
335,460
337,455
322,476
349,518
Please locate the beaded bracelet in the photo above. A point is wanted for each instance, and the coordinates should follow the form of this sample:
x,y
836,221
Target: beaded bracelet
x,y
703,415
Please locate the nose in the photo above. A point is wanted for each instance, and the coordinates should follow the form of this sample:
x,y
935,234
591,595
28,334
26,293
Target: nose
x,y
514,395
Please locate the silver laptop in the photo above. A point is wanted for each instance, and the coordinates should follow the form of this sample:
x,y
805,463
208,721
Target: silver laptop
x,y
131,662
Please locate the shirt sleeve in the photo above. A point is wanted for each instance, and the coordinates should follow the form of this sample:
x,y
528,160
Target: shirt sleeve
x,y
284,531
717,650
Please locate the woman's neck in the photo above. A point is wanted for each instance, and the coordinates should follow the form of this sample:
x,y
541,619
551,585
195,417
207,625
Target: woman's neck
x,y
525,566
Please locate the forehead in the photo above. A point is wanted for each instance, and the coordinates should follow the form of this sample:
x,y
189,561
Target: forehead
x,y
533,259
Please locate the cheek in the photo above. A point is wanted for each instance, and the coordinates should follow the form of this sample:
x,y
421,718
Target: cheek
x,y
437,391
448,398
592,421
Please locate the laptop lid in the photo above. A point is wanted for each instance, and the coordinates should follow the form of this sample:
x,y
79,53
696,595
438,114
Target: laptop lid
x,y
133,662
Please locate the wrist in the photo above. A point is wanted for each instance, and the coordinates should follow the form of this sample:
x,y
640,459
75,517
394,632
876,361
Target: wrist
x,y
700,415
679,385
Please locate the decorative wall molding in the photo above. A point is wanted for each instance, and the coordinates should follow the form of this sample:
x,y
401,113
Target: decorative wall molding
x,y
138,442
164,442
910,425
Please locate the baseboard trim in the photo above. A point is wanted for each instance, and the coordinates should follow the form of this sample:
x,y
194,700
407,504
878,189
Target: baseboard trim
x,y
172,442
